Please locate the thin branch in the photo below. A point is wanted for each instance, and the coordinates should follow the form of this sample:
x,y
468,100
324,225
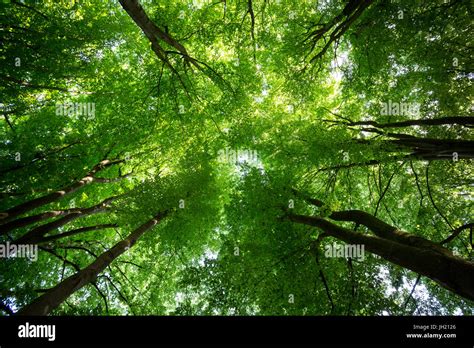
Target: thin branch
x,y
417,181
315,252
31,85
8,122
252,27
65,260
411,293
386,188
457,231
76,247
125,276
77,231
432,200
353,285
101,295
119,292
39,158
18,3
131,263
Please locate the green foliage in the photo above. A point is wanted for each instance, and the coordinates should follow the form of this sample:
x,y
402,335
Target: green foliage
x,y
226,246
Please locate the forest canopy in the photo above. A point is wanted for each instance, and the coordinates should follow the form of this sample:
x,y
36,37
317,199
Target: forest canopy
x,y
236,157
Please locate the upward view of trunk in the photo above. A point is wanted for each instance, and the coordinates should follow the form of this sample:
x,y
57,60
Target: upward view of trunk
x,y
52,298
413,148
436,149
28,220
153,32
22,208
334,29
467,121
159,37
401,248
425,148
37,234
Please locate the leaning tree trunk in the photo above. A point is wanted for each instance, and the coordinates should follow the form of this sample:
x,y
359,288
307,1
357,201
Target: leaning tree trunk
x,y
51,299
413,148
22,208
467,121
401,248
36,235
436,149
152,31
29,220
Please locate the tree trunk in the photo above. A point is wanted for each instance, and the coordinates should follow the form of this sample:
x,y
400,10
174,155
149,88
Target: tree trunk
x,y
22,208
435,149
381,228
151,30
22,222
386,231
422,149
449,120
451,272
51,299
36,235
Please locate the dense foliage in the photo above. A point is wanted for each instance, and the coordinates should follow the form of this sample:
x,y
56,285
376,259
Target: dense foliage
x,y
236,119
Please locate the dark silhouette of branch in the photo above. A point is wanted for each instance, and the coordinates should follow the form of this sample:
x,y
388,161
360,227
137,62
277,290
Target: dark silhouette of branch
x,y
457,231
65,260
432,200
315,251
4,307
386,188
411,292
77,231
104,298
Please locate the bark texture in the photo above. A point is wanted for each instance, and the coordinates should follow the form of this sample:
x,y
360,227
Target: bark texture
x,y
51,299
401,248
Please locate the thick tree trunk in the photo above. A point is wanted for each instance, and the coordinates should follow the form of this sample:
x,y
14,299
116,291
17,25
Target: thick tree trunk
x,y
425,148
20,209
406,250
51,299
422,149
435,149
386,231
449,120
381,228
